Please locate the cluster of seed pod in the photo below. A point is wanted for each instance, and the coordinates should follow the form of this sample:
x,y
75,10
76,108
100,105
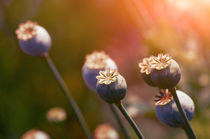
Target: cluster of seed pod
x,y
161,71
100,74
34,40
164,72
95,62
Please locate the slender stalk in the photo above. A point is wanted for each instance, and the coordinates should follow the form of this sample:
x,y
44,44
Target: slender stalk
x,y
68,96
130,120
120,122
186,131
187,127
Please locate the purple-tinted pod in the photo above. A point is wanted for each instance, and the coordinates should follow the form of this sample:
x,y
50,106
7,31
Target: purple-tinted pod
x,y
94,63
34,40
165,72
111,86
168,113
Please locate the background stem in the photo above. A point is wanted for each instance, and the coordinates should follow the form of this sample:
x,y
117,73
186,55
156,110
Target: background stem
x,y
120,122
187,127
130,120
68,96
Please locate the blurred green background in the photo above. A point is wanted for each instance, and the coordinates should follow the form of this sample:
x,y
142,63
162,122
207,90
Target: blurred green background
x,y
128,30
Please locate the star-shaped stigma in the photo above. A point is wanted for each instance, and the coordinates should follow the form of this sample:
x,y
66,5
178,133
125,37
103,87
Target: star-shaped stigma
x,y
26,30
160,62
96,60
163,97
145,65
107,77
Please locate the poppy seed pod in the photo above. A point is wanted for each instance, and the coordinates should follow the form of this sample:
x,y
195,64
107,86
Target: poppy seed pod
x,y
145,69
94,63
105,131
56,115
165,72
167,111
111,86
35,134
34,40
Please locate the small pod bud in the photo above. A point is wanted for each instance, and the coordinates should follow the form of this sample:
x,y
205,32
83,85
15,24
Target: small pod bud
x,y
165,72
111,86
56,115
167,111
105,131
34,40
145,69
35,134
94,63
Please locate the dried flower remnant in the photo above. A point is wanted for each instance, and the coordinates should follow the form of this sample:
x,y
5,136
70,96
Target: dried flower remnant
x,y
164,97
96,60
56,114
26,30
105,131
35,134
145,70
107,77
145,65
160,62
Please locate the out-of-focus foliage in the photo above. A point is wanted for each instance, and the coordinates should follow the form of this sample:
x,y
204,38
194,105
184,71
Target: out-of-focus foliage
x,y
127,30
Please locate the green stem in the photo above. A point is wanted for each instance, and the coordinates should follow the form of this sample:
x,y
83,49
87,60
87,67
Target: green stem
x,y
130,120
120,122
187,127
68,96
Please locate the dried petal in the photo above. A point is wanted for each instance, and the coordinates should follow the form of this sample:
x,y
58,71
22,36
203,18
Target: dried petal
x,y
145,65
26,30
96,60
160,62
107,77
164,97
